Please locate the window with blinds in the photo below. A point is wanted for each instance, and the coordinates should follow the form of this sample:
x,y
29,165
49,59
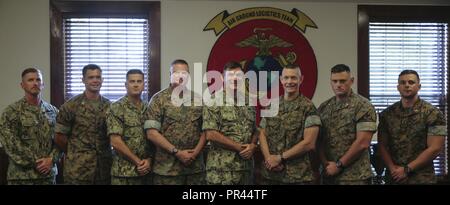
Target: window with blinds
x,y
394,47
115,44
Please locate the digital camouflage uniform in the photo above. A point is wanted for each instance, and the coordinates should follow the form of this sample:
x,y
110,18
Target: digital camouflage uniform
x,y
340,123
26,133
224,166
286,130
181,126
406,131
88,157
126,120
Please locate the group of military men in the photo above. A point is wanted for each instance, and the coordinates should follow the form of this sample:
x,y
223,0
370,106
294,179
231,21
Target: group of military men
x,y
130,142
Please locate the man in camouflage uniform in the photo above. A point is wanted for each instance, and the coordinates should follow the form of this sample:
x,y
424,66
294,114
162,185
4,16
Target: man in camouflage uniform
x,y
232,133
175,128
125,122
348,123
26,133
81,133
411,134
287,138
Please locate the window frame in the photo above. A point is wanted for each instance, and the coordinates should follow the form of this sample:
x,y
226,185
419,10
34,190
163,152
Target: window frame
x,y
62,9
396,13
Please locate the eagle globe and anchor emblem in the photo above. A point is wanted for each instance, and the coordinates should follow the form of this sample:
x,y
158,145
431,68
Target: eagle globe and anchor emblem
x,y
264,61
264,39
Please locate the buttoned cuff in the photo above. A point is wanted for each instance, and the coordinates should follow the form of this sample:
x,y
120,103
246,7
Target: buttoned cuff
x,y
312,120
209,125
115,130
366,126
437,130
152,124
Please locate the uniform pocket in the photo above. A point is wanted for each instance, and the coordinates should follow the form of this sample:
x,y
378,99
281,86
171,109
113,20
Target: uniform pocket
x,y
229,116
173,116
345,122
28,121
294,121
28,124
132,121
134,132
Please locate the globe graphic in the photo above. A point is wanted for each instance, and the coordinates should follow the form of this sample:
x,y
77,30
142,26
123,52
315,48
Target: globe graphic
x,y
265,63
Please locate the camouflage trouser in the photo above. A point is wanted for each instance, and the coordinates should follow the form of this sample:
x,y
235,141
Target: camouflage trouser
x,y
99,179
143,180
229,177
192,179
330,181
265,181
69,181
45,181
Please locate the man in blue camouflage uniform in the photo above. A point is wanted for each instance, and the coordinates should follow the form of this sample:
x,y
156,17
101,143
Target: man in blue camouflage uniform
x,y
287,138
174,120
231,130
27,132
348,124
81,133
125,121
411,134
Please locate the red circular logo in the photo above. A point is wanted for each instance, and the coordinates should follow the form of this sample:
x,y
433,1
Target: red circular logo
x,y
266,45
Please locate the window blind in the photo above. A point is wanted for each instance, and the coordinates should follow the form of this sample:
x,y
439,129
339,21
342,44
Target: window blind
x,y
115,44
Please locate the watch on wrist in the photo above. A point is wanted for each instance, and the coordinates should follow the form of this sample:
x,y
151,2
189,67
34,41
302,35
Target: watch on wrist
x,y
283,159
174,151
407,170
339,165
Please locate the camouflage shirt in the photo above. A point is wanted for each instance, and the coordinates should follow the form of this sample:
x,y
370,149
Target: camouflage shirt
x,y
406,131
181,126
340,123
126,120
286,130
27,132
235,122
83,121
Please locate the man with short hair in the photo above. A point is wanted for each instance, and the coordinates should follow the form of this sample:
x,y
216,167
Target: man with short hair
x,y
411,134
125,119
27,132
287,139
175,130
348,123
81,133
231,130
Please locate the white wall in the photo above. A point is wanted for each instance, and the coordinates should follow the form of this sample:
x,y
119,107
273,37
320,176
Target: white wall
x,y
24,42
